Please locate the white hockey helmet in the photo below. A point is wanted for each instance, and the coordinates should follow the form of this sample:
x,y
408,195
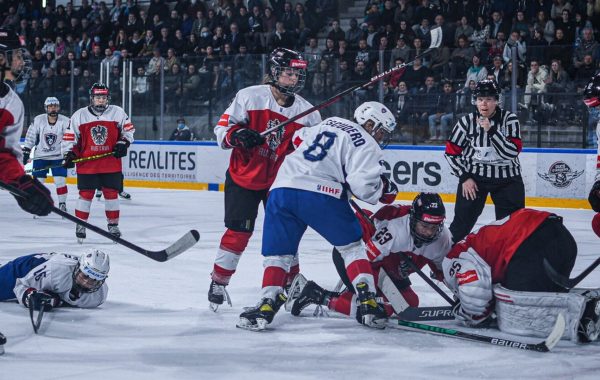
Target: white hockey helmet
x,y
382,118
51,100
91,271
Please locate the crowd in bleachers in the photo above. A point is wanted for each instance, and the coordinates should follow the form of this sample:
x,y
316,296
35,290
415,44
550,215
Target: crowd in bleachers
x,y
210,49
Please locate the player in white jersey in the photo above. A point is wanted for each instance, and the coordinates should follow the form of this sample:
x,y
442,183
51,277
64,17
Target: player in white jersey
x,y
255,159
591,98
46,134
332,161
98,129
56,279
391,234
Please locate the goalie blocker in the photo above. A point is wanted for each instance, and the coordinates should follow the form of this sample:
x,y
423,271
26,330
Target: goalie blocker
x,y
500,268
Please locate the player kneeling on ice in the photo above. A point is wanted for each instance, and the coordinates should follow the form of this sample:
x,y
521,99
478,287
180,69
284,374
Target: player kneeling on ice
x,y
500,268
332,160
55,279
393,233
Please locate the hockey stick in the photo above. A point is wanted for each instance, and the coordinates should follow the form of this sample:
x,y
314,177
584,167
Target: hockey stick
x,y
409,261
564,281
431,313
77,160
178,247
38,321
544,346
2,343
436,41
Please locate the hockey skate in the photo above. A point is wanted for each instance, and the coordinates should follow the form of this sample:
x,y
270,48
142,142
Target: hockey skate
x,y
369,313
312,294
124,195
589,324
217,294
294,289
62,206
257,318
80,233
114,229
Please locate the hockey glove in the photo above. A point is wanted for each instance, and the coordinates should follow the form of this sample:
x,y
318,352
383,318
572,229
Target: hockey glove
x,y
594,197
470,320
38,200
120,149
68,160
246,138
390,190
26,154
39,299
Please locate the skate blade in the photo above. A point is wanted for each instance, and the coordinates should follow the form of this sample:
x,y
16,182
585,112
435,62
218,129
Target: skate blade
x,y
260,325
375,323
213,306
80,240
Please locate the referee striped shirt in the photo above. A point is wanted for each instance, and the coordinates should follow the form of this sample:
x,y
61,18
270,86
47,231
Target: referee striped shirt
x,y
493,154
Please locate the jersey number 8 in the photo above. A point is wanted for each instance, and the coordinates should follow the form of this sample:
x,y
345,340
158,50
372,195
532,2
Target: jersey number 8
x,y
318,149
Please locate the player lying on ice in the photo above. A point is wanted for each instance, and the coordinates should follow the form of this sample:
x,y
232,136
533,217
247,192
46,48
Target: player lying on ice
x,y
56,279
417,231
498,271
330,160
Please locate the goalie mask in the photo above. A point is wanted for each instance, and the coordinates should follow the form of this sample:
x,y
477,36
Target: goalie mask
x,y
377,120
591,92
52,106
99,97
287,71
427,216
91,271
14,58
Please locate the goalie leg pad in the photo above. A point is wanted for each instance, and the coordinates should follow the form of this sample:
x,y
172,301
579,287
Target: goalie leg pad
x,y
534,313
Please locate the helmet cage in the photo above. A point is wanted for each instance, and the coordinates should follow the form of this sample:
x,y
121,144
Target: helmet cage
x,y
99,90
436,223
21,69
288,90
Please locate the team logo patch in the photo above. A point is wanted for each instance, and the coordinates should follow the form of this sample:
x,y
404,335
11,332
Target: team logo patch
x,y
274,138
50,138
560,174
99,134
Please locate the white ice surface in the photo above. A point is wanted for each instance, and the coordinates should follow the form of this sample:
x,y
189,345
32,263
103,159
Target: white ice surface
x,y
156,323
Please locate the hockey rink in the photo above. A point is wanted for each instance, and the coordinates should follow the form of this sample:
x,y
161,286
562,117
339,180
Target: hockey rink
x,y
156,323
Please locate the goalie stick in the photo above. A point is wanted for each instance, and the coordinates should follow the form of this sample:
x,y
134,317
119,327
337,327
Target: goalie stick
x,y
181,245
544,346
564,281
436,41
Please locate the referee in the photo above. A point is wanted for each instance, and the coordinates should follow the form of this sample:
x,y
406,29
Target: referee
x,y
483,151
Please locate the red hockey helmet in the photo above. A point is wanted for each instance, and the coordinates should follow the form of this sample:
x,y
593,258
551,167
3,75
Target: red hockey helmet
x,y
427,216
591,93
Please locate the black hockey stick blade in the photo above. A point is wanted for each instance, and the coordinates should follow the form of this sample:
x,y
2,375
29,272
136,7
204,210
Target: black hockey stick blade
x,y
36,322
431,313
544,346
2,339
564,281
181,245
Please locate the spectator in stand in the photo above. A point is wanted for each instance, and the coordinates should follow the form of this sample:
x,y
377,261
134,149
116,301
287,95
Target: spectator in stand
x,y
497,48
364,54
440,59
155,63
557,82
342,52
586,70
444,114
329,52
587,46
322,81
401,51
465,101
404,12
480,34
422,31
404,106
497,70
281,37
172,86
336,33
476,71
305,25
536,84
353,34
269,23
157,7
546,26
498,25
460,59
560,49
415,75
426,103
508,78
383,51
405,31
133,25
522,26
110,59
463,29
567,25
558,8
360,75
515,40
182,132
140,86
171,59
419,49
190,86
386,14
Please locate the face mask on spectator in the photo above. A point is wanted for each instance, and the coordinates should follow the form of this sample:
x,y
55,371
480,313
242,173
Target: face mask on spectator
x,y
205,34
180,126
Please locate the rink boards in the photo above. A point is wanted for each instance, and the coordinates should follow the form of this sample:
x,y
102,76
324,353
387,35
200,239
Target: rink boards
x,y
553,177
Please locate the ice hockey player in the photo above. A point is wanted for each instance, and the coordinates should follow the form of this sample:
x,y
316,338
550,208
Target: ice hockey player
x,y
255,159
500,269
14,62
55,279
417,231
96,129
46,134
333,159
591,98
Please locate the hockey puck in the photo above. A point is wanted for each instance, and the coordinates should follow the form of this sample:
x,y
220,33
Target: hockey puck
x,y
596,224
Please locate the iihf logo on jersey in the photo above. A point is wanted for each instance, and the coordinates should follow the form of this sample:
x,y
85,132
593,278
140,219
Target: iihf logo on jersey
x,y
274,138
99,134
50,138
560,174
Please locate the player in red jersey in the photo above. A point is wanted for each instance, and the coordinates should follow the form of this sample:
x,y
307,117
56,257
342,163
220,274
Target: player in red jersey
x,y
96,129
499,270
255,159
14,64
